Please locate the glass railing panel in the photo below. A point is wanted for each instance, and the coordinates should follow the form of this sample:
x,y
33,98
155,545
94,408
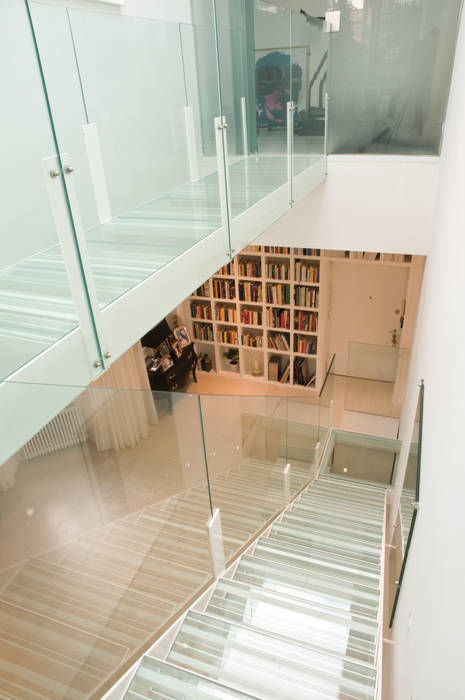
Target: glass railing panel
x,y
40,279
390,76
310,64
353,456
407,508
198,43
246,445
132,132
254,59
303,432
103,532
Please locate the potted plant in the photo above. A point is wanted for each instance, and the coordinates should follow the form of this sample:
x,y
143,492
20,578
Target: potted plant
x,y
232,355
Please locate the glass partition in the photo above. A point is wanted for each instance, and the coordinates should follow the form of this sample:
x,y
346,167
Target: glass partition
x,y
104,536
310,65
139,137
270,97
391,65
254,60
42,292
408,505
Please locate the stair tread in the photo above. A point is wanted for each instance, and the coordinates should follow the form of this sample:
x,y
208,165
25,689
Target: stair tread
x,y
323,589
332,631
263,665
155,678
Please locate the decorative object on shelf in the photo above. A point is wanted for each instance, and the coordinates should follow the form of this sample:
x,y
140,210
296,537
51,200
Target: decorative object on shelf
x,y
206,363
232,355
166,362
256,367
182,336
176,348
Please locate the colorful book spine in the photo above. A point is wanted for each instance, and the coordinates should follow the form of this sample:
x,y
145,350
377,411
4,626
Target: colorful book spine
x,y
203,331
278,318
199,310
277,271
306,346
225,335
278,294
277,250
278,341
306,273
224,289
251,317
202,291
226,313
304,321
250,268
306,296
250,291
252,341
226,270
307,251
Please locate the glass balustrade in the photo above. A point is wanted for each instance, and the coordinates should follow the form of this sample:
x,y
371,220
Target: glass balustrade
x,y
104,517
407,502
43,297
134,131
162,135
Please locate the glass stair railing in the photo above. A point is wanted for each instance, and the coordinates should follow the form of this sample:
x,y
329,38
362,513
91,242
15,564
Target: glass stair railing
x,y
300,615
406,509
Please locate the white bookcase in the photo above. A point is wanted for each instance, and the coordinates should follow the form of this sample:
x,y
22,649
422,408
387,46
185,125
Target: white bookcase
x,y
252,290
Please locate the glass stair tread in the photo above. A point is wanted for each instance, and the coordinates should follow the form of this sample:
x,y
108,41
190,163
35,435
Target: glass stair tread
x,y
263,665
332,631
335,525
359,485
288,536
321,507
157,679
346,506
292,555
347,542
310,586
350,495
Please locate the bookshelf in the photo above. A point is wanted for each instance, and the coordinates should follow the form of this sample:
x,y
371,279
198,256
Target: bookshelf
x,y
271,304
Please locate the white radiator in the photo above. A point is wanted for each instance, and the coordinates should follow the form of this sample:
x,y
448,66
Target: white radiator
x,y
64,430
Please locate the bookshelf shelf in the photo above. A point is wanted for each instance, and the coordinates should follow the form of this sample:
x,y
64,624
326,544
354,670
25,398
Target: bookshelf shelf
x,y
248,274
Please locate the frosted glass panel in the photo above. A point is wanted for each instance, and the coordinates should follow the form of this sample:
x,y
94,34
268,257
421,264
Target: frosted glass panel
x,y
36,306
390,72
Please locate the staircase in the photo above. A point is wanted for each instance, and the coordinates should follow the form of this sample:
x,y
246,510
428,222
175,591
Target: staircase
x,y
72,616
298,617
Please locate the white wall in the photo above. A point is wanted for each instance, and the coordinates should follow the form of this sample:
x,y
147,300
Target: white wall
x,y
428,629
173,11
374,203
364,299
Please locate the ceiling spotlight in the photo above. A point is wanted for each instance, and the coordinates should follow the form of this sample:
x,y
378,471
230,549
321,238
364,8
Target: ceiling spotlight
x,y
345,470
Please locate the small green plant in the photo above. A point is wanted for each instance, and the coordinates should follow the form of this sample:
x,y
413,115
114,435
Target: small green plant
x,y
231,354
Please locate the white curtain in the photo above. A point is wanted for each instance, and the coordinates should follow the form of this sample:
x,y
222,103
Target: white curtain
x,y
7,472
118,406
